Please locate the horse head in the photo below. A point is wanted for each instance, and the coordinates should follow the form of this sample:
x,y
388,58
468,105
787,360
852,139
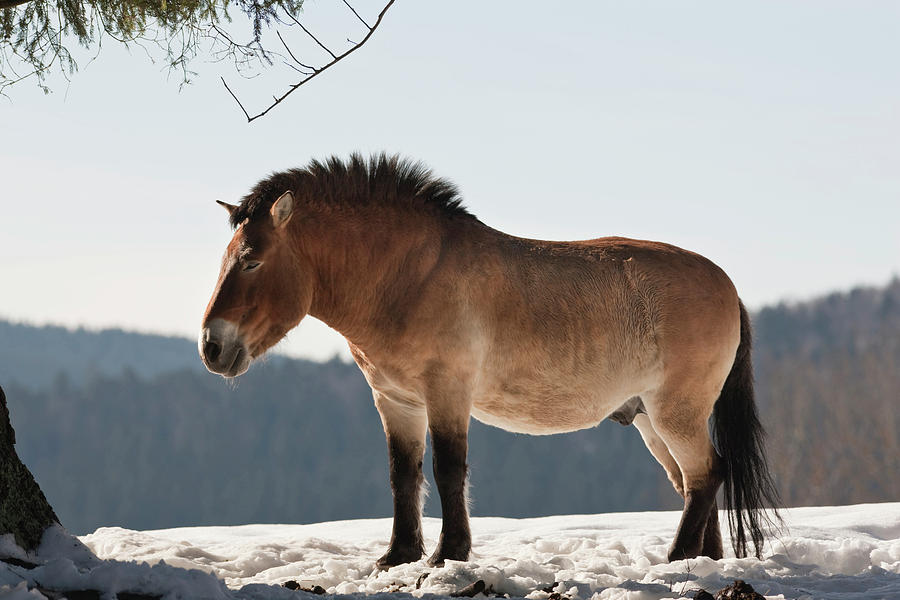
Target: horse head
x,y
260,294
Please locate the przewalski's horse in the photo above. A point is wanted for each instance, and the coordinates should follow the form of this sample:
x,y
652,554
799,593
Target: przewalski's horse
x,y
448,318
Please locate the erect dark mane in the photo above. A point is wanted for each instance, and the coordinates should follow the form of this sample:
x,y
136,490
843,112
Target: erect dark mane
x,y
380,180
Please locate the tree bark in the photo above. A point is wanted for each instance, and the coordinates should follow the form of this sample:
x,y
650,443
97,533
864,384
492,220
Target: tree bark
x,y
11,3
24,510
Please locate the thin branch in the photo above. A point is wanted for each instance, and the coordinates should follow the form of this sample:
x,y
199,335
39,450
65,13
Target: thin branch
x,y
236,99
315,39
283,43
316,72
228,39
357,15
296,68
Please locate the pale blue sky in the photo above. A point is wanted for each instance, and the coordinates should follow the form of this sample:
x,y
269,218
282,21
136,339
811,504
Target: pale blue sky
x,y
764,135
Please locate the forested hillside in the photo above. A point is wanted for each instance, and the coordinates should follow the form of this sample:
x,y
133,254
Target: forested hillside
x,y
138,434
828,380
294,442
37,356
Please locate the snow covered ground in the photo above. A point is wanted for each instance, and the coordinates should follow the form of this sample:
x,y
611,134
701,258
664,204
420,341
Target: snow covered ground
x,y
849,552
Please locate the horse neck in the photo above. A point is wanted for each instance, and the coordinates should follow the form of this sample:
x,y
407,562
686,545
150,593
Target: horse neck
x,y
368,266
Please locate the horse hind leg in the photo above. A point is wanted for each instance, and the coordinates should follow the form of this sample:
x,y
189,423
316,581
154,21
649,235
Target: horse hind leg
x,y
680,422
712,536
660,451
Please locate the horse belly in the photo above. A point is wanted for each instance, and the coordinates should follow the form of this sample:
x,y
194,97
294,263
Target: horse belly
x,y
546,414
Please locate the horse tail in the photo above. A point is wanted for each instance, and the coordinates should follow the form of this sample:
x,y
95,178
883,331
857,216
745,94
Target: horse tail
x,y
739,437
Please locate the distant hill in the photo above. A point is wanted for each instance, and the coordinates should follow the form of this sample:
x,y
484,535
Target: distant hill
x,y
828,374
35,356
127,429
294,442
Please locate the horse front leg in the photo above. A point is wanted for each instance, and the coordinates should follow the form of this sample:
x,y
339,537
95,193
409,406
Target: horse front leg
x,y
449,447
404,428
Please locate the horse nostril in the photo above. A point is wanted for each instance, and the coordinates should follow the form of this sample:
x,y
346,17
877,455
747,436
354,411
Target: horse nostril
x,y
212,351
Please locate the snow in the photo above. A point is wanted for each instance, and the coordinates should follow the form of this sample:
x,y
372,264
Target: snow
x,y
841,553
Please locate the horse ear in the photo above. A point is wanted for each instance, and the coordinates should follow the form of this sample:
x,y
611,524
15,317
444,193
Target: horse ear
x,y
229,207
282,209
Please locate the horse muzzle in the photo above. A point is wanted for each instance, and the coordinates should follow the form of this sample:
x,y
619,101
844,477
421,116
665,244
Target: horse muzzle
x,y
222,349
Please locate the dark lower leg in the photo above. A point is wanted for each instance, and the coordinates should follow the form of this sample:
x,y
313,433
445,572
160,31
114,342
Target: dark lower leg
x,y
406,486
690,537
712,537
450,477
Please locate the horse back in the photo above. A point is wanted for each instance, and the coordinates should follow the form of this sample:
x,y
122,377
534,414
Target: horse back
x,y
544,337
562,333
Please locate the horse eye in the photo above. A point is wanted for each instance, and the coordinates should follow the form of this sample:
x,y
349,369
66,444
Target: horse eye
x,y
251,265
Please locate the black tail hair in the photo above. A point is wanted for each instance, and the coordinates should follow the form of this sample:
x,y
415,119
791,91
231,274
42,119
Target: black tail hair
x,y
739,437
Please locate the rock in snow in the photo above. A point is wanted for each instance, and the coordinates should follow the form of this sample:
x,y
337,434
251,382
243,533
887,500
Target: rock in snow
x,y
850,552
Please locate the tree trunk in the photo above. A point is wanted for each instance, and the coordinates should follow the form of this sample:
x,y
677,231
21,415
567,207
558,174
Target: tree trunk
x,y
11,3
24,511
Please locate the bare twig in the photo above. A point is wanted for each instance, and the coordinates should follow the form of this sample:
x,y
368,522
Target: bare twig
x,y
315,39
295,86
357,15
687,564
296,68
283,43
236,99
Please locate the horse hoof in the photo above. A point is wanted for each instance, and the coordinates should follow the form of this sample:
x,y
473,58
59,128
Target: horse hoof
x,y
681,554
397,556
440,555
